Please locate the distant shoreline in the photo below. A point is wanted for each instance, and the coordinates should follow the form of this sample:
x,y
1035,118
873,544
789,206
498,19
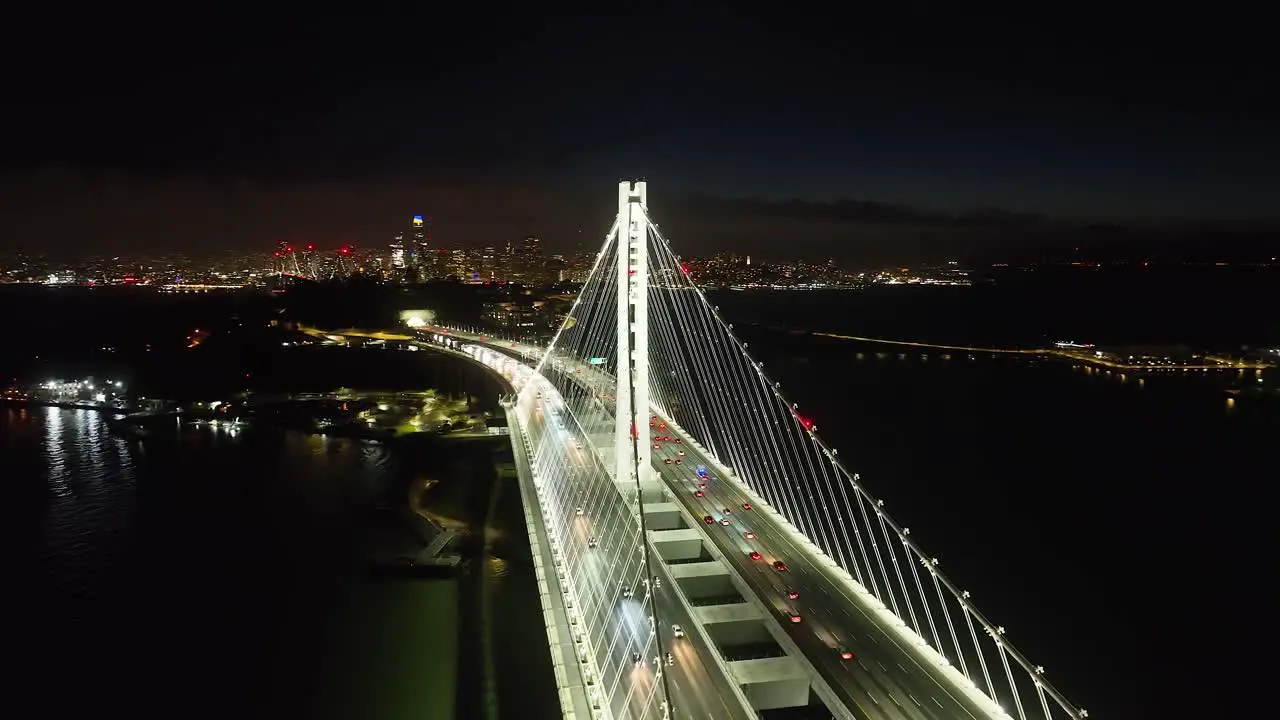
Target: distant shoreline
x,y
68,405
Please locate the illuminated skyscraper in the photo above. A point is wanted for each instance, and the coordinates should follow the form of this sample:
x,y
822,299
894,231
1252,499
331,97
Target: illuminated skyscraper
x,y
532,263
309,262
420,234
397,253
287,259
344,264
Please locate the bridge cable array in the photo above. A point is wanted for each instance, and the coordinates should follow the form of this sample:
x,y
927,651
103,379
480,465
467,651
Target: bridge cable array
x,y
596,522
704,379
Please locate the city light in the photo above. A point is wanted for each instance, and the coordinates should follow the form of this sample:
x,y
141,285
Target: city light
x,y
417,318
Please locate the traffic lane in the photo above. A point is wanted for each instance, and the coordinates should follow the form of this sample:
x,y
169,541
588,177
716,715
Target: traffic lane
x,y
824,624
859,689
696,692
626,623
699,694
703,698
904,684
836,619
725,493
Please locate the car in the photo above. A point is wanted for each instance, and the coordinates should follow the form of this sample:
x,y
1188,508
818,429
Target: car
x,y
793,616
754,555
636,659
578,511
846,654
749,535
680,453
627,593
591,541
662,426
779,566
671,659
708,519
724,521
699,493
702,485
578,445
727,511
678,461
653,424
678,441
656,446
793,594
746,506
666,461
677,631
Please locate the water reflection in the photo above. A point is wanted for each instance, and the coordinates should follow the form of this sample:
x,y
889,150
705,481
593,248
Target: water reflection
x,y
55,452
498,568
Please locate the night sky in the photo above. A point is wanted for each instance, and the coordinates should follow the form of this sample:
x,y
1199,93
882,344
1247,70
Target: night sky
x,y
240,124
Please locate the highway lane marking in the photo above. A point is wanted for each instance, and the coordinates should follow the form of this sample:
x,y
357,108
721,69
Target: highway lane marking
x,y
935,702
914,700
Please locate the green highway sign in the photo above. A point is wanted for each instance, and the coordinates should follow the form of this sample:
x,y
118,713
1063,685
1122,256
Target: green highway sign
x,y
596,361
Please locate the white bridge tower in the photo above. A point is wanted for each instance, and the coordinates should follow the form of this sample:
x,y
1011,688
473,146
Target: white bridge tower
x,y
631,432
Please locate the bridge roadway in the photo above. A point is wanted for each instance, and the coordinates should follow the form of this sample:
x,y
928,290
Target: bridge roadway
x,y
699,692
888,679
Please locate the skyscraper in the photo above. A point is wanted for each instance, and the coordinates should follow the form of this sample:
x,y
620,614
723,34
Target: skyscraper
x,y
397,253
420,232
309,262
532,263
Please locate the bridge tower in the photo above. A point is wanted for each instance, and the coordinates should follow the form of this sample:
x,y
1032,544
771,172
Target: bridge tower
x,y
632,418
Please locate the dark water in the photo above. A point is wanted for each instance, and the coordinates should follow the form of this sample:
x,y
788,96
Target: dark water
x,y
1218,308
211,575
1120,531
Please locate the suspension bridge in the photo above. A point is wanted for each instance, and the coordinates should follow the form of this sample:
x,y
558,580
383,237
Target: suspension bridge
x,y
701,551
